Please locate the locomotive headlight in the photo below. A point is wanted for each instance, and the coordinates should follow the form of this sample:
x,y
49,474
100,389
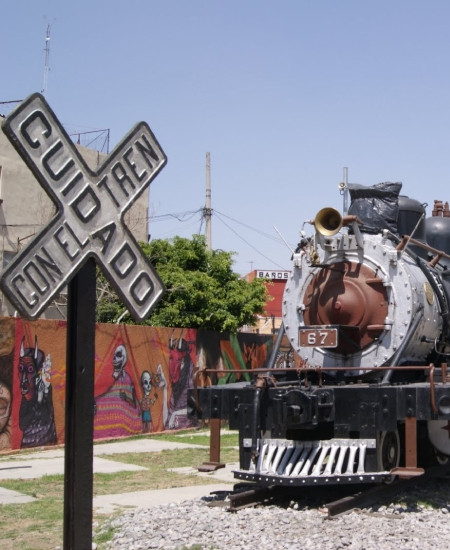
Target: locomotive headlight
x,y
428,291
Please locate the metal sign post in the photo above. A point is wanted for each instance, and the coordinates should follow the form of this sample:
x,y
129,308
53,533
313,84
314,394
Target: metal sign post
x,y
79,432
88,226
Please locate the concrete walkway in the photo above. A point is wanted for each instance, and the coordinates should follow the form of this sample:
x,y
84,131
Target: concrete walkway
x,y
29,465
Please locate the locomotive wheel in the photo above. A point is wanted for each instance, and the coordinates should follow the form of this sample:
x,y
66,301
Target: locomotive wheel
x,y
432,443
441,459
438,433
388,450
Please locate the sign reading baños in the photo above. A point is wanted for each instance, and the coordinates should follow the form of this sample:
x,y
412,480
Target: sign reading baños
x,y
90,209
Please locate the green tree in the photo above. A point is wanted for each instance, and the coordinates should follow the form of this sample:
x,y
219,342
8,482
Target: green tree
x,y
202,291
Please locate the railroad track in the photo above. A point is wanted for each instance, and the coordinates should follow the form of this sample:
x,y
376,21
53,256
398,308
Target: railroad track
x,y
248,495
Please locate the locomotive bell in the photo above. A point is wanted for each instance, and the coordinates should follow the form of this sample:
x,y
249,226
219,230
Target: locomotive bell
x,y
328,221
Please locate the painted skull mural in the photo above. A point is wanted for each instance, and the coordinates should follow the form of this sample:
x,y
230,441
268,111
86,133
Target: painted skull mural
x,y
117,409
142,375
36,415
119,361
146,401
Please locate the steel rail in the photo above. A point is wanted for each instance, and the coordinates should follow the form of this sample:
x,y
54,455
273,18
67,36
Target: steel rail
x,y
367,497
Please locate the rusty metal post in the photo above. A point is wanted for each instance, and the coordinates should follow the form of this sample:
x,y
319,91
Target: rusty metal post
x,y
411,442
79,414
214,440
214,448
410,469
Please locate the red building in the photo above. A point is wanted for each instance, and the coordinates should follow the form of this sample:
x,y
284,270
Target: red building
x,y
270,321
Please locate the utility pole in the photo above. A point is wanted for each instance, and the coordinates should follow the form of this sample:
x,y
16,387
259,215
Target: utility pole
x,y
214,425
47,57
207,211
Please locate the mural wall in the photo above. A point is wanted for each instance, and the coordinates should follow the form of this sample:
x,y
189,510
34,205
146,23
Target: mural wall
x,y
142,375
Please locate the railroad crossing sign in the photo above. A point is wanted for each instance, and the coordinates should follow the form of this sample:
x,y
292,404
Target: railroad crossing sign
x,y
90,209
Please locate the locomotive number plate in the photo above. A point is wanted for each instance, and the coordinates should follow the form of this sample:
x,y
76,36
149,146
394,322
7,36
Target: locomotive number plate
x,y
318,337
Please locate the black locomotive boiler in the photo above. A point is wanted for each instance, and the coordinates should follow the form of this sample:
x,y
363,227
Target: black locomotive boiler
x,y
366,310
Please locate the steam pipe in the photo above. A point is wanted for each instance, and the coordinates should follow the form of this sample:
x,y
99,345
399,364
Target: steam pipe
x,y
276,348
260,385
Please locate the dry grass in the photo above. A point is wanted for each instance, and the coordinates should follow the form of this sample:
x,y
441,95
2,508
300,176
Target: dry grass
x,y
38,525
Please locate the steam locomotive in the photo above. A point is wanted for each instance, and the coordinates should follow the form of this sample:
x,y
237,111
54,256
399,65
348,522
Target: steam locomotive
x,y
366,310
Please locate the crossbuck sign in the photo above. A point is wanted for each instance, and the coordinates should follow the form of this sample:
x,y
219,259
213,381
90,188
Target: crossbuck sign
x,y
90,209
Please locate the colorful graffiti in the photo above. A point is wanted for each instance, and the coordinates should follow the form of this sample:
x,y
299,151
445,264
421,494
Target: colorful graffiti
x,y
142,375
7,332
232,355
36,415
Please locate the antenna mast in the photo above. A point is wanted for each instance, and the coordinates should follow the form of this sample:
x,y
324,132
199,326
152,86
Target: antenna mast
x,y
343,188
207,211
47,57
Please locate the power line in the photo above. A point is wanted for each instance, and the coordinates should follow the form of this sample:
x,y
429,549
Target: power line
x,y
267,235
188,215
250,245
180,216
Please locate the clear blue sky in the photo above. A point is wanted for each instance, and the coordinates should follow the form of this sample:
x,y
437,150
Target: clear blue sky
x,y
283,94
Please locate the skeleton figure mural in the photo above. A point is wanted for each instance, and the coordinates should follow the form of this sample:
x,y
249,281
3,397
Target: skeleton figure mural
x,y
146,401
181,371
158,382
122,378
36,415
117,410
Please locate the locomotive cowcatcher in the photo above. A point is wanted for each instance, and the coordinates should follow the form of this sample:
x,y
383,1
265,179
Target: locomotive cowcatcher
x,y
366,312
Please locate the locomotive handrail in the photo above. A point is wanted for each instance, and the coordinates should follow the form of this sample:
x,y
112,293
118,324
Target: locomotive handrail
x,y
316,369
432,395
406,239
